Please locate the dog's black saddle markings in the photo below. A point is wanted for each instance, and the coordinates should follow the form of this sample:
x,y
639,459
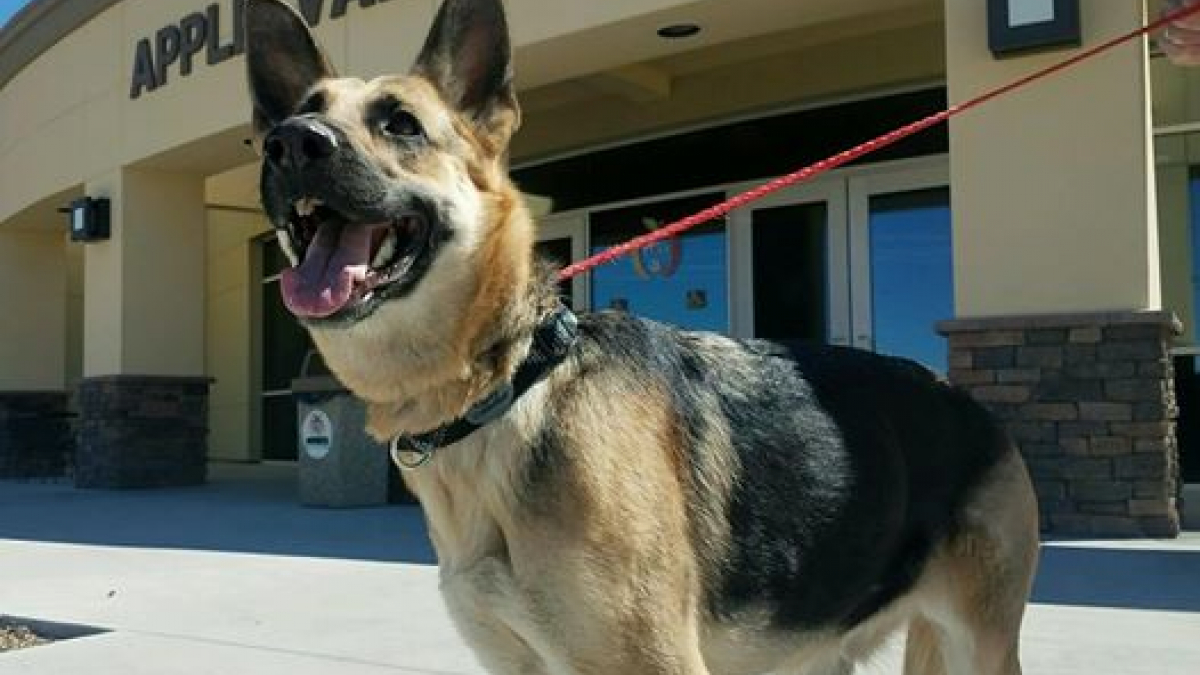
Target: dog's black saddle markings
x,y
552,341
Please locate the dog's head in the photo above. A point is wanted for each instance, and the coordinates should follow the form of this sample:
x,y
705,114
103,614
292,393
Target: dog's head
x,y
390,196
368,182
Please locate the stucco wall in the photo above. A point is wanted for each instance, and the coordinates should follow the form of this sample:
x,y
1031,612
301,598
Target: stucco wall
x,y
32,335
74,101
74,334
1053,198
144,298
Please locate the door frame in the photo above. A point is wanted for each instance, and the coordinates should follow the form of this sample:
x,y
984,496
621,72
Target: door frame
x,y
571,225
907,176
832,192
847,194
263,283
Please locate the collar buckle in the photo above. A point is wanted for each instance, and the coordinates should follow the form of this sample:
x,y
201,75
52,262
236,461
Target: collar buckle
x,y
402,446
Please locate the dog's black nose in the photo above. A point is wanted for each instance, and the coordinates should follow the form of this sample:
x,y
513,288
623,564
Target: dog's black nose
x,y
297,141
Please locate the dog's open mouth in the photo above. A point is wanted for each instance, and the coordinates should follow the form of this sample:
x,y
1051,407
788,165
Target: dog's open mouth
x,y
344,264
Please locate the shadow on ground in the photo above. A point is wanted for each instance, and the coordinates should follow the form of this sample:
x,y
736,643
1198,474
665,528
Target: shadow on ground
x,y
255,510
241,510
1159,578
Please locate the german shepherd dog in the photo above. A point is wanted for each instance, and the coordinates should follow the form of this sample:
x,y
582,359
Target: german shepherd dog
x,y
637,499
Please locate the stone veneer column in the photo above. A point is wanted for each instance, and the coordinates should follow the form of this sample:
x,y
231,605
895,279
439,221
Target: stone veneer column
x,y
142,431
143,401
1090,401
35,434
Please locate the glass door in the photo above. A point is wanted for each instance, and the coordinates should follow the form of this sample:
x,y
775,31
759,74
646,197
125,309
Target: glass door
x,y
283,349
790,266
901,261
561,239
683,281
862,258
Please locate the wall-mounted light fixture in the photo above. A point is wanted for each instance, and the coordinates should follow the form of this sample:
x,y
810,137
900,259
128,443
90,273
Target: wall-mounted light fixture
x,y
88,219
678,31
1019,26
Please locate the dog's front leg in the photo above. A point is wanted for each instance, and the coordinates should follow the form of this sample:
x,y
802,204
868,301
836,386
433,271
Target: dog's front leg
x,y
500,650
516,629
590,621
492,618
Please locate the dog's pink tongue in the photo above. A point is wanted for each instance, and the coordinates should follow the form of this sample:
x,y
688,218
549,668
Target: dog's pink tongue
x,y
324,281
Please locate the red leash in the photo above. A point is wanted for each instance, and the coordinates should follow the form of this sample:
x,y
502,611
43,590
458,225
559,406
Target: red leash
x,y
847,156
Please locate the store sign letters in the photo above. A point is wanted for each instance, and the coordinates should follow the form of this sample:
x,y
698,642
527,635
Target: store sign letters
x,y
198,36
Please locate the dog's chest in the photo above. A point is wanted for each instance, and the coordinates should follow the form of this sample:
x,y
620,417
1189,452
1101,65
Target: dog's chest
x,y
469,494
481,591
463,524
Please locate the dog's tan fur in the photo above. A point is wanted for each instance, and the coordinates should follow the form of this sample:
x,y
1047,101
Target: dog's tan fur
x,y
605,569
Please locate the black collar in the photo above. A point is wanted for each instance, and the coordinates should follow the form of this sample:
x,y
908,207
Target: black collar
x,y
552,340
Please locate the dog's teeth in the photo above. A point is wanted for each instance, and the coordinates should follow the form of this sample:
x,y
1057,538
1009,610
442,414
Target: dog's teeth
x,y
306,206
386,250
289,249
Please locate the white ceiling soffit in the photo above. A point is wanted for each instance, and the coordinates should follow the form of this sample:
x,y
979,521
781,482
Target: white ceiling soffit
x,y
635,40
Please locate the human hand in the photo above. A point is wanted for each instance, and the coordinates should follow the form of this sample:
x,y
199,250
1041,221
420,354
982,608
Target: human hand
x,y
1180,41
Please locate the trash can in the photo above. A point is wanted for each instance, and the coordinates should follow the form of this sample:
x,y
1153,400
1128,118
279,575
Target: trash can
x,y
340,465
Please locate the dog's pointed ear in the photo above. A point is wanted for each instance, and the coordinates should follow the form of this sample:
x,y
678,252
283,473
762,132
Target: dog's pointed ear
x,y
468,57
283,61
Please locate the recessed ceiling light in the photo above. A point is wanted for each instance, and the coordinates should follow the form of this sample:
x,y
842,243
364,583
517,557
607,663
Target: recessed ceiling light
x,y
678,31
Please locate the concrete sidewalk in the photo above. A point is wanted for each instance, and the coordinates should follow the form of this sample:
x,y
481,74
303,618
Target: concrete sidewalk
x,y
236,578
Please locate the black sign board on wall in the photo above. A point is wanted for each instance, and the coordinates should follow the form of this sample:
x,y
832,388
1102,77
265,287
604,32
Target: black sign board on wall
x,y
1017,27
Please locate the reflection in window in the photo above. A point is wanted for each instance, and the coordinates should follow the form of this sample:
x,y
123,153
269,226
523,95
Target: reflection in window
x,y
681,281
912,284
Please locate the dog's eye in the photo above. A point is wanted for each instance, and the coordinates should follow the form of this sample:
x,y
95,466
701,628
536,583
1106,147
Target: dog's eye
x,y
401,124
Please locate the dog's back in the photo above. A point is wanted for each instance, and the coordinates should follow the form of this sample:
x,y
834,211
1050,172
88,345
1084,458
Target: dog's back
x,y
848,470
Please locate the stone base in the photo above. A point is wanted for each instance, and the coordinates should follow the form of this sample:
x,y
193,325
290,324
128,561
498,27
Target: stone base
x,y
140,432
35,434
1090,401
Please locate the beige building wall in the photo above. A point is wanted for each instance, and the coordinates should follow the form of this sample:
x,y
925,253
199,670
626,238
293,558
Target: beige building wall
x,y
74,330
144,297
1045,223
74,100
33,333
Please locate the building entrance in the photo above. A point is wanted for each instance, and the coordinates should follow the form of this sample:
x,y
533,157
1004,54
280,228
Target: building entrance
x,y
862,258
